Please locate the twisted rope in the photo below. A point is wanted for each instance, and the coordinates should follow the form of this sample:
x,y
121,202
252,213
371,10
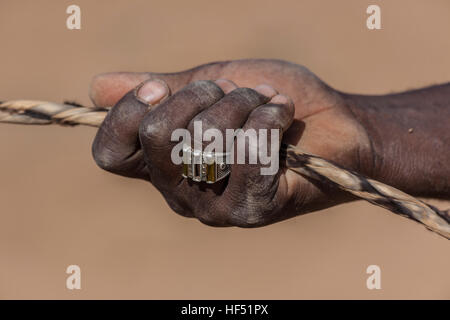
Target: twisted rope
x,y
41,112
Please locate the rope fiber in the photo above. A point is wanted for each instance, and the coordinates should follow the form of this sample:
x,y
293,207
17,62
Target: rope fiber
x,y
438,221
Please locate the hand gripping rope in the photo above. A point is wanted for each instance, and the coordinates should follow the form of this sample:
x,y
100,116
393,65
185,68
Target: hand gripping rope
x,y
380,194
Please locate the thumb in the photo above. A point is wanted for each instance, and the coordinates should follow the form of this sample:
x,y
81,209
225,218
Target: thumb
x,y
108,88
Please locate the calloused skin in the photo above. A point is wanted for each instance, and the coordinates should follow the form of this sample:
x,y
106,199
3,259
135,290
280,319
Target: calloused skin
x,y
367,134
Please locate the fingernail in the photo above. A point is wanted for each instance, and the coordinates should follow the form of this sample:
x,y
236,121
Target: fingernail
x,y
152,91
280,99
226,85
266,90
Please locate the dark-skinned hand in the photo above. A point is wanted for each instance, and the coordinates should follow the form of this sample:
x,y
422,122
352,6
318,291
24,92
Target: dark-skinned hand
x,y
134,140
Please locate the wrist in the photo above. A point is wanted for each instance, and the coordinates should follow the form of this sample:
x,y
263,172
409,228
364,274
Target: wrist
x,y
409,138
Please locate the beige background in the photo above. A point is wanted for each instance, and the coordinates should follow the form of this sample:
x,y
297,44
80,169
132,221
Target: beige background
x,y
57,208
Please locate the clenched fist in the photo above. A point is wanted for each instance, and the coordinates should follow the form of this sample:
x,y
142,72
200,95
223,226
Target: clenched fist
x,y
135,138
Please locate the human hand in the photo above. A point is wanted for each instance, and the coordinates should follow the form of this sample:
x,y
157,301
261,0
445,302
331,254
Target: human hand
x,y
134,140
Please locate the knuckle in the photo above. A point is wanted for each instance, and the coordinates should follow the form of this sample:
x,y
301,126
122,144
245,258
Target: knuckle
x,y
177,207
244,91
204,91
202,85
246,217
104,157
254,204
103,160
153,128
269,115
211,214
207,120
247,96
211,221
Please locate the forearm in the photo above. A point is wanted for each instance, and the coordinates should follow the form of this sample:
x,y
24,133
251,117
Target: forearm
x,y
410,138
